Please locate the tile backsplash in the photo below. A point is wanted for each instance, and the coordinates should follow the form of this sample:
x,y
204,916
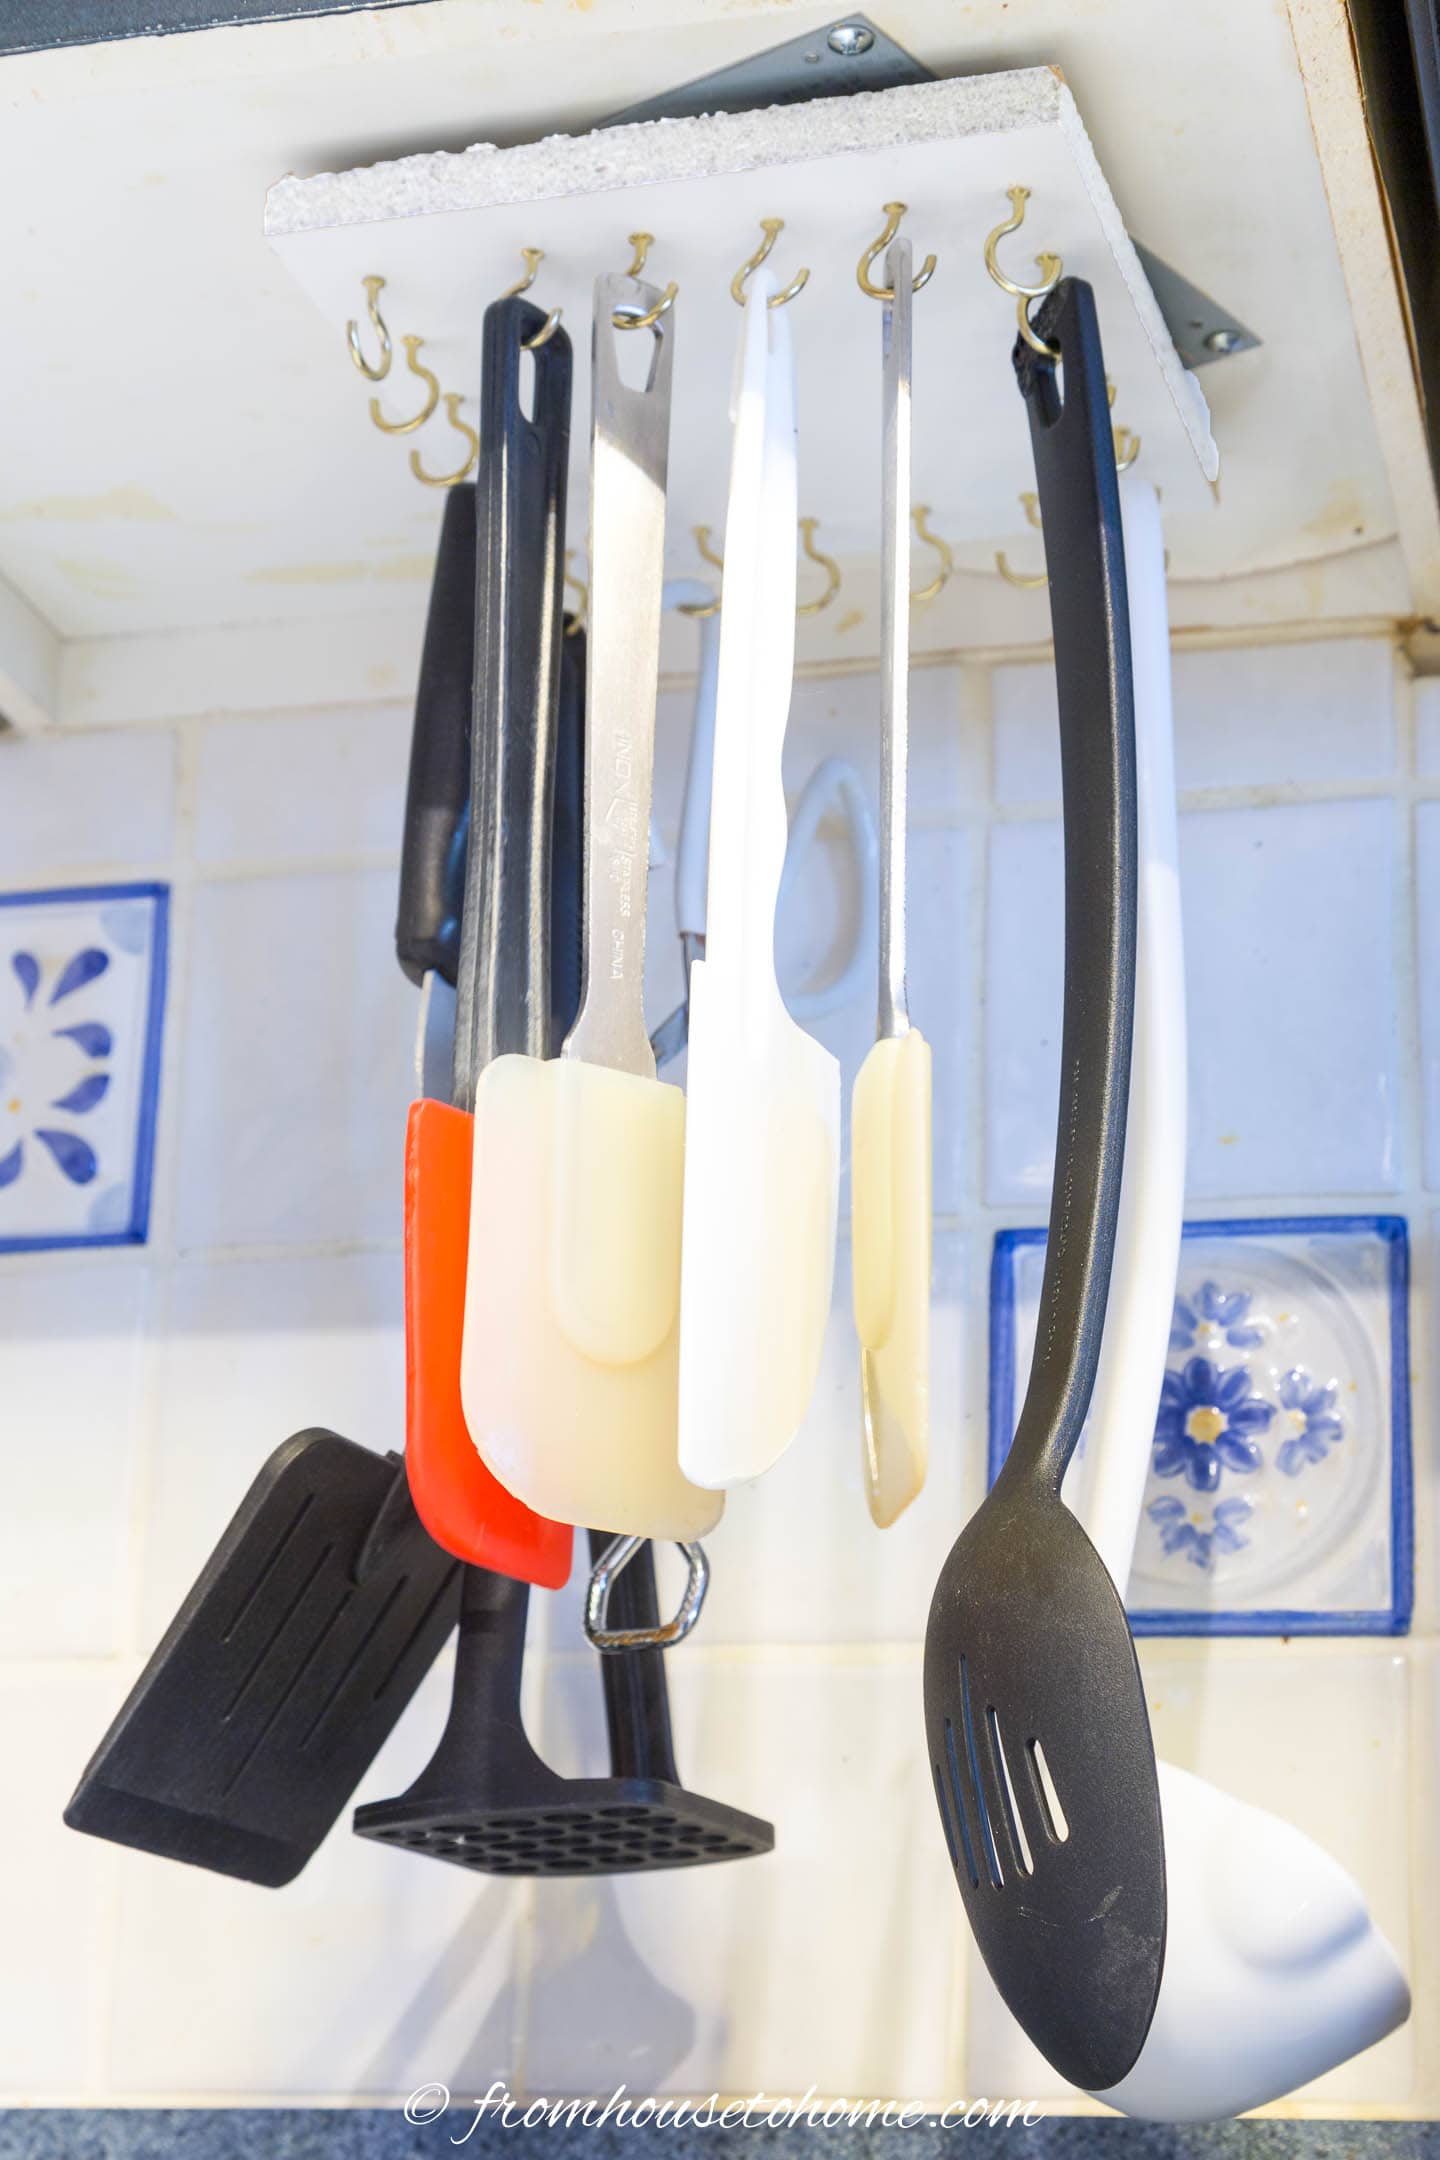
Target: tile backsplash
x,y
144,1385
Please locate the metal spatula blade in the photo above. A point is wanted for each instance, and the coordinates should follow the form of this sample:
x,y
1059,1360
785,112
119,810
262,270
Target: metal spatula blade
x,y
311,1625
1044,1772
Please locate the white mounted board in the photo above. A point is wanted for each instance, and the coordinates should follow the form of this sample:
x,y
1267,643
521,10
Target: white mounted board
x,y
446,230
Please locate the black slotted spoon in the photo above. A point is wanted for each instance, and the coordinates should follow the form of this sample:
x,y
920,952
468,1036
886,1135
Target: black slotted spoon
x,y
1035,1714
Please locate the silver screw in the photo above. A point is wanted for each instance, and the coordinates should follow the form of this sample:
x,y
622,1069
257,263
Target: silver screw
x,y
1225,341
850,40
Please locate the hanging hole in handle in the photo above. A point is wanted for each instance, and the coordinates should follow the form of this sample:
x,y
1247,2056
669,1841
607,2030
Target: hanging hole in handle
x,y
526,385
637,353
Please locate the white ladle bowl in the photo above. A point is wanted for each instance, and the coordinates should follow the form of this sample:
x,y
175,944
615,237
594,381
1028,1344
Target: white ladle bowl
x,y
1274,1969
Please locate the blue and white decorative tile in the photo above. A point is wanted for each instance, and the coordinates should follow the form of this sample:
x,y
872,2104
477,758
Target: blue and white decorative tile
x,y
1279,1497
82,1001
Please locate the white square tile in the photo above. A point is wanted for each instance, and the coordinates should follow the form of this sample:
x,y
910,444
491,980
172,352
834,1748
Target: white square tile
x,y
1426,696
1427,909
80,801
1026,722
1024,983
298,1062
1250,715
82,1003
1289,948
821,1963
375,1972
1289,961
72,1357
255,1351
1245,716
1296,1520
1270,1728
54,1977
302,785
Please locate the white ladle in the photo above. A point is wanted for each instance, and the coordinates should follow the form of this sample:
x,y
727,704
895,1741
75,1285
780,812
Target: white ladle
x,y
1274,1969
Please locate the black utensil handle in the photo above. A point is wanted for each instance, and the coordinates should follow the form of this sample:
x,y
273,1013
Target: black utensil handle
x,y
503,985
637,1697
567,872
1089,612
427,923
484,1732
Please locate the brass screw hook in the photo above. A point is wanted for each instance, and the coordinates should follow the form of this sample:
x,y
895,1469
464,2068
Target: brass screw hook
x,y
1049,266
533,257
1030,504
772,227
1125,444
894,211
641,243
374,286
472,456
920,519
412,347
827,564
702,608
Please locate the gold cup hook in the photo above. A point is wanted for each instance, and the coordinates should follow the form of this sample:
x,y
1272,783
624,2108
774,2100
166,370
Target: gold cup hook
x,y
1030,504
472,458
374,286
826,562
641,244
894,211
412,347
1050,267
920,519
702,608
532,258
772,227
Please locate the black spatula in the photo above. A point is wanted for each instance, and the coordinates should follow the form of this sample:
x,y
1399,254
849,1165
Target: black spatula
x,y
486,1801
1035,1715
311,1626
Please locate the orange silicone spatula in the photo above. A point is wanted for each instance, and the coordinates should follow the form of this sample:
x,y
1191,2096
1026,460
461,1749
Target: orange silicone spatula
x,y
510,916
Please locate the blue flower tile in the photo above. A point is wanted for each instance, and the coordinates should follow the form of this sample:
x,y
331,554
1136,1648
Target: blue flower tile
x,y
1278,1499
82,1003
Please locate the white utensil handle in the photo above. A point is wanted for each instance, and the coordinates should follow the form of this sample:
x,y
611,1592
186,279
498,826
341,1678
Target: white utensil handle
x,y
692,856
894,1016
748,827
1107,1483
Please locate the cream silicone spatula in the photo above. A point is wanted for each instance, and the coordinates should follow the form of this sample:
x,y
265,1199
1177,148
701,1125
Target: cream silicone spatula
x,y
890,1108
762,1147
569,1365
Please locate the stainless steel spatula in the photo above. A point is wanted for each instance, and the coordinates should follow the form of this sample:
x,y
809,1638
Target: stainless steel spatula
x,y
1035,1714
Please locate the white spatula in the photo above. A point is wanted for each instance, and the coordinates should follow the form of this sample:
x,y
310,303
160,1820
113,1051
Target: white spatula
x,y
763,1141
890,1109
569,1366
1274,1970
